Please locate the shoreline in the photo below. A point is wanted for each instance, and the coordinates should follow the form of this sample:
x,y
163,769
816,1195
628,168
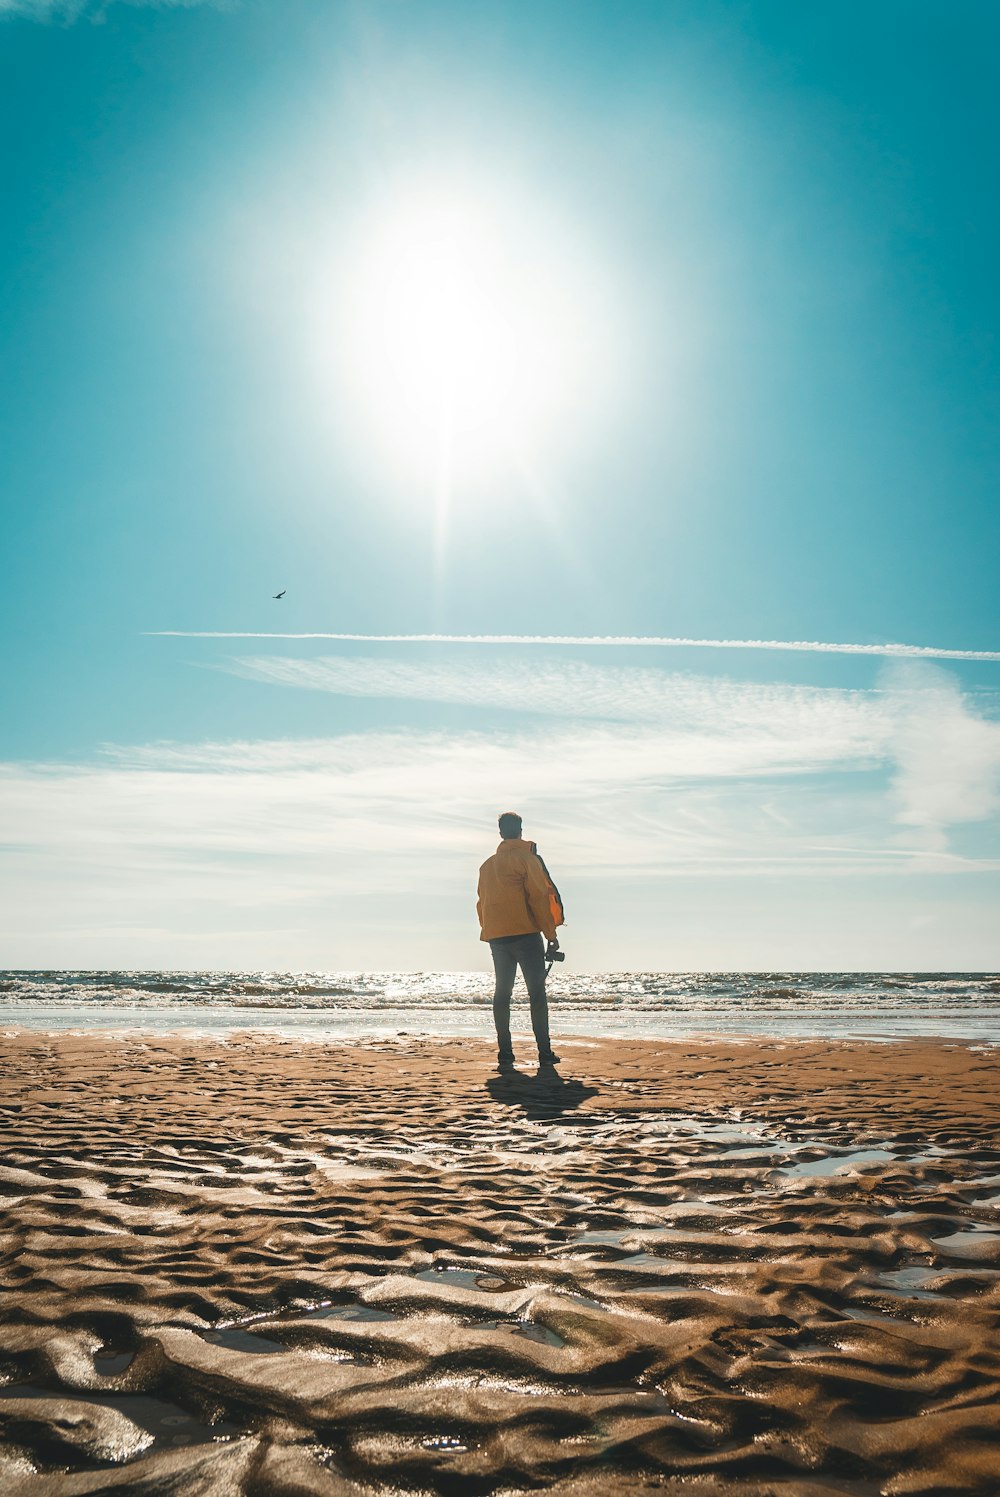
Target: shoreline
x,y
315,1027
710,1265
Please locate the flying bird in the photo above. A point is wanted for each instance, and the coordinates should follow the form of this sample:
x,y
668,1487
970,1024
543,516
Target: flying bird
x,y
281,594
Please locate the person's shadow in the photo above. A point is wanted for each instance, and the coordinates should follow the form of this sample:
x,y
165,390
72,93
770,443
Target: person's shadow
x,y
545,1095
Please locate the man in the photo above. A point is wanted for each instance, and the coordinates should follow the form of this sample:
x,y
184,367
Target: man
x,y
518,904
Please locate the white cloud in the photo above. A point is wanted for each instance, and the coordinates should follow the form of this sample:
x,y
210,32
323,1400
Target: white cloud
x,y
362,850
947,755
362,843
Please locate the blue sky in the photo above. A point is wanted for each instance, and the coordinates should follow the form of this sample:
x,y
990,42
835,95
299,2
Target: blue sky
x,y
575,319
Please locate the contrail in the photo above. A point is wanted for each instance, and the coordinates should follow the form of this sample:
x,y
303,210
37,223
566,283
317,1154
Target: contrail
x,y
660,641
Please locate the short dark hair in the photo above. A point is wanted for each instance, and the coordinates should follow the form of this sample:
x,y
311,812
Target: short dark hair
x,y
509,824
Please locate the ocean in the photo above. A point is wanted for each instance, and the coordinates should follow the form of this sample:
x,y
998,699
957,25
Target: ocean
x,y
323,1005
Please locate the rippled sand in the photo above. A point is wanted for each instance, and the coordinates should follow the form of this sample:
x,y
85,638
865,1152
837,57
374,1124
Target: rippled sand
x,y
688,1267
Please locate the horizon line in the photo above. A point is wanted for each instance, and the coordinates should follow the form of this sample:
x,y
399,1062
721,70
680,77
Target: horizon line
x,y
657,641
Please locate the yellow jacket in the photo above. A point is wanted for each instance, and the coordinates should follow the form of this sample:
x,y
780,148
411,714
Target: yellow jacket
x,y
516,894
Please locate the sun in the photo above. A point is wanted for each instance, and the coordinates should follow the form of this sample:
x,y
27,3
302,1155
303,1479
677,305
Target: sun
x,y
443,320
470,339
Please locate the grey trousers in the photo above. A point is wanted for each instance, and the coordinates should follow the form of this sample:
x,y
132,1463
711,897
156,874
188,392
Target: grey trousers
x,y
528,953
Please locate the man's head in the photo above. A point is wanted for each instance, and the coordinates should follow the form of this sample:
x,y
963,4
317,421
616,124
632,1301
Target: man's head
x,y
510,825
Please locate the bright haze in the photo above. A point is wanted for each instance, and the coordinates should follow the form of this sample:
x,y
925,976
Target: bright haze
x,y
662,322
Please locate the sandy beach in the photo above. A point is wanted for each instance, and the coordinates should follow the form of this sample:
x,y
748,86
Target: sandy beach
x,y
695,1267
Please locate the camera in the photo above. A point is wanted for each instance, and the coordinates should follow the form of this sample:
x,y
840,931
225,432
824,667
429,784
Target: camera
x,y
555,955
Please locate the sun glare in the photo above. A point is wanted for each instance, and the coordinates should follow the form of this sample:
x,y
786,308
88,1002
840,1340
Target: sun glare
x,y
472,337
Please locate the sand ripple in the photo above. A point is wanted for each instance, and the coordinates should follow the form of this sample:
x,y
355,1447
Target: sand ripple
x,y
684,1268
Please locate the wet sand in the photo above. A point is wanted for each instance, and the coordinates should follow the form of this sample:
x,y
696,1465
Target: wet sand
x,y
262,1267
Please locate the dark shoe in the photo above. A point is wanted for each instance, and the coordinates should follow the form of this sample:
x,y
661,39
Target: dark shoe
x,y
550,1059
505,1063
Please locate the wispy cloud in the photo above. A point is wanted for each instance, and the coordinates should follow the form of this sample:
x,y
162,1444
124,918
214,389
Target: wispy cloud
x,y
943,753
362,850
640,794
812,720
662,641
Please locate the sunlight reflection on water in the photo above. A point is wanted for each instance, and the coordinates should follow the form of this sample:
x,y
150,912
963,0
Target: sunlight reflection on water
x,y
656,1004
